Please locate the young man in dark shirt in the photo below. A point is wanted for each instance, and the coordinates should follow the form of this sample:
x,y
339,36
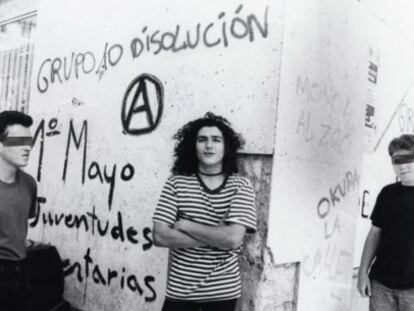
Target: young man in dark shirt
x,y
17,204
389,246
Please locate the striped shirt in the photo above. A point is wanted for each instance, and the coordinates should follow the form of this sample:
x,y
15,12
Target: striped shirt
x,y
206,273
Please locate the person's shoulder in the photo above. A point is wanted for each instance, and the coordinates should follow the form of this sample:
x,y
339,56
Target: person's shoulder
x,y
390,189
240,180
27,178
177,179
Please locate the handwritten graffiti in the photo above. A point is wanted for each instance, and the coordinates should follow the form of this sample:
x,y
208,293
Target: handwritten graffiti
x,y
52,129
137,101
303,127
218,33
111,55
335,131
90,222
326,135
369,114
365,204
331,229
77,140
63,69
349,183
370,101
406,119
324,95
87,268
336,193
372,72
327,258
330,263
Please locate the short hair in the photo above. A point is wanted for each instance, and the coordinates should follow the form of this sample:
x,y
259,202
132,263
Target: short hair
x,y
404,142
186,161
11,117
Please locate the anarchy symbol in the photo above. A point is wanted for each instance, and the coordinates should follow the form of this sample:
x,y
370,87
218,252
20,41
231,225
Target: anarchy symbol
x,y
144,97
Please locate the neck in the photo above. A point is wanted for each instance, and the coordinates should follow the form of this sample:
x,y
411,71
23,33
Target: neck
x,y
7,172
408,183
211,170
210,174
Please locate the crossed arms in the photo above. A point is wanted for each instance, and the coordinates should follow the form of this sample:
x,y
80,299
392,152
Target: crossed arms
x,y
186,233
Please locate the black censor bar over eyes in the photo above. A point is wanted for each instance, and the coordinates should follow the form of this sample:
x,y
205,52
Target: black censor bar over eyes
x,y
15,141
402,159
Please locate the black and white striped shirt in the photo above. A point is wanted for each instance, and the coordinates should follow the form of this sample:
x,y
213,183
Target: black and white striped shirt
x,y
206,273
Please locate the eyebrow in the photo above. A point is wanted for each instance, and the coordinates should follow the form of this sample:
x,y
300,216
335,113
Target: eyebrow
x,y
213,136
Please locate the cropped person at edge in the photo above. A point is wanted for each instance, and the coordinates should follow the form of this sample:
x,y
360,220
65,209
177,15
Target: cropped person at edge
x,y
389,246
17,204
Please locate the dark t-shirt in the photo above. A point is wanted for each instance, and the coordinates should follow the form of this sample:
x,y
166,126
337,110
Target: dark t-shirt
x,y
17,204
394,214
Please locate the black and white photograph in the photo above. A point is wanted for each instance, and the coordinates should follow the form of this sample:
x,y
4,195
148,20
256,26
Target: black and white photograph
x,y
238,155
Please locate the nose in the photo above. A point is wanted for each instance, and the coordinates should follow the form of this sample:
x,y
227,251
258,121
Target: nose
x,y
27,148
209,144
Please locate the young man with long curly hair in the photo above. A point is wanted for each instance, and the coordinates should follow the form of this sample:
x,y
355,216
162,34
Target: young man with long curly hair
x,y
203,213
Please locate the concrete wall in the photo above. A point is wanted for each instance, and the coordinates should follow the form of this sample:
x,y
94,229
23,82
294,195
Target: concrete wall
x,y
317,185
318,151
108,95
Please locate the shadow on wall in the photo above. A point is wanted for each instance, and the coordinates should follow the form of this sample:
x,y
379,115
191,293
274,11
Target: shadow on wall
x,y
258,169
262,281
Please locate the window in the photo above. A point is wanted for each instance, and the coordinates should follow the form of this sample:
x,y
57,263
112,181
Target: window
x,y
17,25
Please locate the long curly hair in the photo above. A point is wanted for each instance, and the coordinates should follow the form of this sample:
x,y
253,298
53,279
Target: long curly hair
x,y
186,161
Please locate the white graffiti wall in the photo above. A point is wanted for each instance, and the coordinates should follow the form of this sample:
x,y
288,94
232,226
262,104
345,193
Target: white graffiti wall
x,y
112,82
319,145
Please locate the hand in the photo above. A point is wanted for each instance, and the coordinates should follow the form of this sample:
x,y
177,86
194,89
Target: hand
x,y
364,285
223,219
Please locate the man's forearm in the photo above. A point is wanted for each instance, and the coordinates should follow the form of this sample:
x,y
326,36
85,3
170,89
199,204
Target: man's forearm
x,y
370,249
222,236
172,238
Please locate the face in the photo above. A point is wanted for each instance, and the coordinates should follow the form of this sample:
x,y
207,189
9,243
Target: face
x,y
403,164
15,150
210,147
